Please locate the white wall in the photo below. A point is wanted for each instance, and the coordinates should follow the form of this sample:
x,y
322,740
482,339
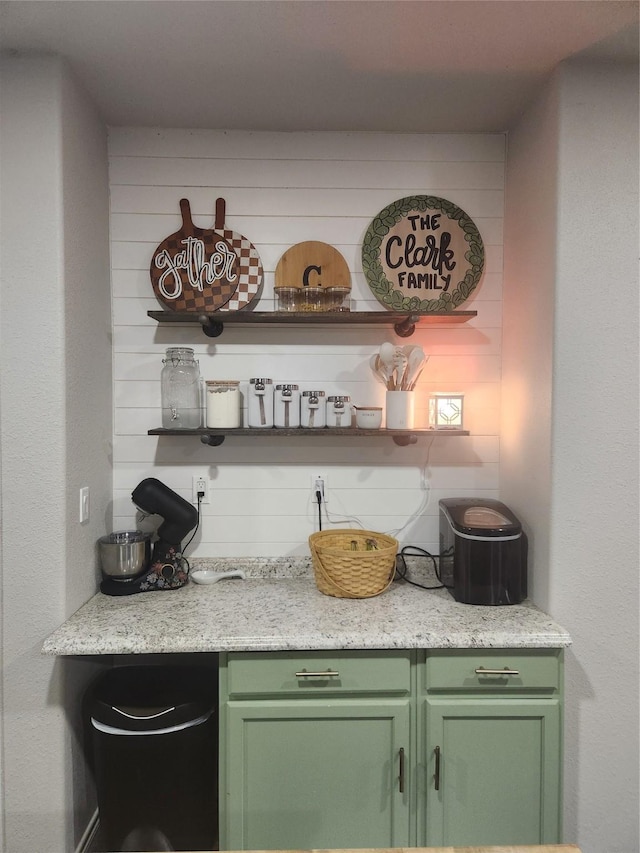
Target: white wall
x,y
527,333
56,426
570,457
281,189
47,124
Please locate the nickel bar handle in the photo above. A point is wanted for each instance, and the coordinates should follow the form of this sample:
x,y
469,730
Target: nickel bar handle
x,y
401,770
482,671
328,673
436,775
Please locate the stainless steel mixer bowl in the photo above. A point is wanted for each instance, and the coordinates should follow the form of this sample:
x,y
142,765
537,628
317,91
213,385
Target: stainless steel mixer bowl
x,y
124,554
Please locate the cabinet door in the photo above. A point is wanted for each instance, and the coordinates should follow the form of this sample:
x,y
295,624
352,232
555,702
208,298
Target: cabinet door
x,y
316,774
492,771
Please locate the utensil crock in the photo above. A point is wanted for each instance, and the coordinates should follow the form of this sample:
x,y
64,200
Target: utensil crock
x,y
400,407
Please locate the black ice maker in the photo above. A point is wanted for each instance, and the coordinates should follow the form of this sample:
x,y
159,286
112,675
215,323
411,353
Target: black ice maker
x,y
483,552
153,739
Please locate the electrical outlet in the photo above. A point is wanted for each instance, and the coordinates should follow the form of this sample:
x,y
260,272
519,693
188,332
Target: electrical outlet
x,y
319,483
84,505
200,484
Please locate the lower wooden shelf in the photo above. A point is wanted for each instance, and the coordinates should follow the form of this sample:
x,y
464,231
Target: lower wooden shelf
x,y
401,437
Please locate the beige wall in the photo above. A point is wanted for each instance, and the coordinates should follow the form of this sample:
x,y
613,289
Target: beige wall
x,y
527,329
56,428
56,425
570,462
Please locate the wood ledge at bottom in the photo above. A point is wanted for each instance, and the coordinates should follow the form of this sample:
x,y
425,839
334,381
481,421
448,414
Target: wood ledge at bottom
x,y
518,848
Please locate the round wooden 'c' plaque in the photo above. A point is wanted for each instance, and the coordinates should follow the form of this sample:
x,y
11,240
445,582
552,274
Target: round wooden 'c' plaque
x,y
422,253
312,264
194,269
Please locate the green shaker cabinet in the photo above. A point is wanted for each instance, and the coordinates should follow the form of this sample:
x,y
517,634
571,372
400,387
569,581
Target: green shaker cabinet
x,y
316,750
389,748
317,774
490,725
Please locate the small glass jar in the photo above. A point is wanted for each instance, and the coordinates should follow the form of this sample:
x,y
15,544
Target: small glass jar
x,y
180,390
338,411
286,407
260,403
313,410
337,298
223,403
311,299
287,298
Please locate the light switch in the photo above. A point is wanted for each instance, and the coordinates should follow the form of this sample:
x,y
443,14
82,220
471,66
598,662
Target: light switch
x,y
84,504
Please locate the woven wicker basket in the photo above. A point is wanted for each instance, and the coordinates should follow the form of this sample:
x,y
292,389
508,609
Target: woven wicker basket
x,y
346,573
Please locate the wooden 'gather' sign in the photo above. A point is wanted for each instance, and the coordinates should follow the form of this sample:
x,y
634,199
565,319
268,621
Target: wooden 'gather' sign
x,y
422,253
194,269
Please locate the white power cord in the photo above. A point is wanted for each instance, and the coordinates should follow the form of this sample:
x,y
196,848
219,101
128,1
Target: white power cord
x,y
340,519
336,518
424,502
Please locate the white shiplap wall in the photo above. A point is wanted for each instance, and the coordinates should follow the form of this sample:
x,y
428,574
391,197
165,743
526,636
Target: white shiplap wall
x,y
281,189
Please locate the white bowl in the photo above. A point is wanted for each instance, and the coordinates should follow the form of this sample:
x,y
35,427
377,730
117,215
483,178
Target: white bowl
x,y
368,417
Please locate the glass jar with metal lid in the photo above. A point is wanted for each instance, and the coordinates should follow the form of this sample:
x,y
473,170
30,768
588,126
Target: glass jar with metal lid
x,y
338,411
180,390
313,410
286,407
260,403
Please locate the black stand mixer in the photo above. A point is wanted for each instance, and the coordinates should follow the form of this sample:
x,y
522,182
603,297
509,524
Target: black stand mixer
x,y
166,568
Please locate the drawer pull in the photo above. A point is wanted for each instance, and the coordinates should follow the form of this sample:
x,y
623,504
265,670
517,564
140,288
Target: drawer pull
x,y
401,771
482,671
436,775
329,673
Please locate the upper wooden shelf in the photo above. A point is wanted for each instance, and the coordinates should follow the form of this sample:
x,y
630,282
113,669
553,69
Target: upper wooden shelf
x,y
404,324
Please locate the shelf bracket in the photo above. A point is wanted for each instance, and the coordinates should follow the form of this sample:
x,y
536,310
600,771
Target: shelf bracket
x,y
212,328
407,327
212,440
405,440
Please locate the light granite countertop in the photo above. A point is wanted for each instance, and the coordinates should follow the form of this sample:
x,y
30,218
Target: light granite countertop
x,y
278,607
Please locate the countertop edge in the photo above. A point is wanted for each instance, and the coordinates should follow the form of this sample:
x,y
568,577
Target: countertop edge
x,y
51,649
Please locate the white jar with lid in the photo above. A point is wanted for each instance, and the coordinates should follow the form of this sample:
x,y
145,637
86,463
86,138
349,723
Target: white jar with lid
x,y
286,407
223,403
338,411
260,403
313,410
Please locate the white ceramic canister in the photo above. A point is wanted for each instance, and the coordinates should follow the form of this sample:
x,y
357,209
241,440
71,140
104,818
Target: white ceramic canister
x,y
260,403
223,403
286,407
338,411
400,408
313,410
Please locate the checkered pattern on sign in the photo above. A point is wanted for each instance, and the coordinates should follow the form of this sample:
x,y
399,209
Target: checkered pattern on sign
x,y
250,272
211,297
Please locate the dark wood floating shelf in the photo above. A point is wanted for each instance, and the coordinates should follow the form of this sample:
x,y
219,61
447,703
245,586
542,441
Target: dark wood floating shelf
x,y
401,437
403,323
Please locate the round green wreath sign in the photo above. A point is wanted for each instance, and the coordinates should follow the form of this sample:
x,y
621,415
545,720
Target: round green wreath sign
x,y
422,253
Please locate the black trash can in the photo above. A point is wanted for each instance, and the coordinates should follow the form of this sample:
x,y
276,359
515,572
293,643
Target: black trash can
x,y
153,737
